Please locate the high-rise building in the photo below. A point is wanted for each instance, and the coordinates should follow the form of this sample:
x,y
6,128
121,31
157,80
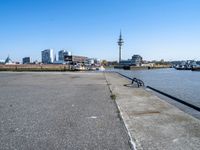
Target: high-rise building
x,y
26,60
136,60
54,59
62,54
47,56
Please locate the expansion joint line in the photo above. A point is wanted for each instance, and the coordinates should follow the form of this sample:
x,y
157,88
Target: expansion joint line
x,y
131,142
108,84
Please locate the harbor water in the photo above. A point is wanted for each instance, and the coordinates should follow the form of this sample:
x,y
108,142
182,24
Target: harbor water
x,y
184,85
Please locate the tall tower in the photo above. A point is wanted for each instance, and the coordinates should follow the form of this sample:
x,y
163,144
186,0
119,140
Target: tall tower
x,y
120,42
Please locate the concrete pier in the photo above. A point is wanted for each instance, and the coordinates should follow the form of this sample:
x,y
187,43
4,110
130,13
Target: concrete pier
x,y
153,124
58,111
63,110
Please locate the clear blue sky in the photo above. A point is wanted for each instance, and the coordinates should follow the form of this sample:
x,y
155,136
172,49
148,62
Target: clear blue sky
x,y
155,29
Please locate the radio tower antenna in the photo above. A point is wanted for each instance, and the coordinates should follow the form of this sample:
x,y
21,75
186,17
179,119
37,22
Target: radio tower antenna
x,y
120,43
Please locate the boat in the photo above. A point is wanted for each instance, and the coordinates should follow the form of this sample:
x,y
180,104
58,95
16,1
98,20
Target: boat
x,y
197,68
188,65
79,67
183,68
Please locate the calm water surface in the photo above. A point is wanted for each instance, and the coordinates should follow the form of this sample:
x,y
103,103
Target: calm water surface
x,y
181,84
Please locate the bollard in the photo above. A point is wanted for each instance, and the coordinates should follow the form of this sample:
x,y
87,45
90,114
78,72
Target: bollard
x,y
138,82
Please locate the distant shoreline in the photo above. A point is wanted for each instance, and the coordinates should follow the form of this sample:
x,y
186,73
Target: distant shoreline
x,y
140,67
35,67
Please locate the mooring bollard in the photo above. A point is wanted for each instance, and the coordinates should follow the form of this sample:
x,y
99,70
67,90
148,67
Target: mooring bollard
x,y
138,82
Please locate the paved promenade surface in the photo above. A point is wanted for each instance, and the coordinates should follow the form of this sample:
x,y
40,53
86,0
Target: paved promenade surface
x,y
153,123
58,111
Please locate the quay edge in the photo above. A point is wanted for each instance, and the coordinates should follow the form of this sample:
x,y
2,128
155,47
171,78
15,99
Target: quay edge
x,y
152,122
35,67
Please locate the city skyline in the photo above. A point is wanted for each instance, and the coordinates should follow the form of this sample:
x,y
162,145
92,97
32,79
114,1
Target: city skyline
x,y
156,30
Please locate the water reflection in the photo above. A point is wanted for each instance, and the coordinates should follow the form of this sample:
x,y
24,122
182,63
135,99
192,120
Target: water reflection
x,y
181,84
